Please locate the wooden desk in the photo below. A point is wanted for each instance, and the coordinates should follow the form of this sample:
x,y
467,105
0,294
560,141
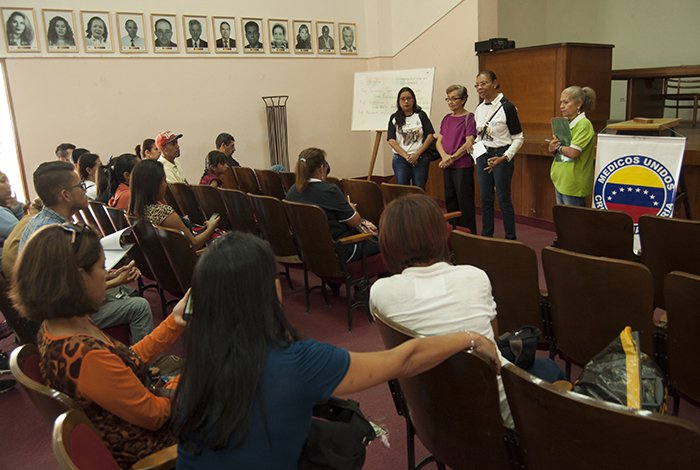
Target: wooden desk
x,y
645,87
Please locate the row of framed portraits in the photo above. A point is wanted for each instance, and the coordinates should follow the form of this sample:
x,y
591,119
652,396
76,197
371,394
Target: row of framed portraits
x,y
61,33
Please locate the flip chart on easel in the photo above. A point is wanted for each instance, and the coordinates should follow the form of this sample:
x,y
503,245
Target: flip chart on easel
x,y
374,96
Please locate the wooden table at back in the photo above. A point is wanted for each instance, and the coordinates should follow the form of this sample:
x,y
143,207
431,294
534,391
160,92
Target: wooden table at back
x,y
645,88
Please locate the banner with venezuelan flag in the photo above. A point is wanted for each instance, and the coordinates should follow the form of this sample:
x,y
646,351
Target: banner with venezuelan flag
x,y
638,175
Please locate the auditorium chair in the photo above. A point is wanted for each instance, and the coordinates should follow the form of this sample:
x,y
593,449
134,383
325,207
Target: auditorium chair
x,y
669,245
367,196
247,182
393,191
288,179
239,211
558,429
104,223
593,299
454,408
270,183
180,253
322,256
594,232
78,446
183,194
211,203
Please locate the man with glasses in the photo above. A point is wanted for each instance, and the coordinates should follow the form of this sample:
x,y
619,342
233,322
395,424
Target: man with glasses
x,y
63,194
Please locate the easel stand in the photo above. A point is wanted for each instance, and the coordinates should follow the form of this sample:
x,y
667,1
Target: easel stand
x,y
375,150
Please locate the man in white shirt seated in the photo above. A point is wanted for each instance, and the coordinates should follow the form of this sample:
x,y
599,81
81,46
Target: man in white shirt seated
x,y
167,143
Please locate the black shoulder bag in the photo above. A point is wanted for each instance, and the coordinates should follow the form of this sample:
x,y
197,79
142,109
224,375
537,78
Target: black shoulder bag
x,y
338,438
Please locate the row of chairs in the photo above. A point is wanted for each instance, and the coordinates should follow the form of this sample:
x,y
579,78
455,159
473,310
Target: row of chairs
x,y
666,244
454,410
590,300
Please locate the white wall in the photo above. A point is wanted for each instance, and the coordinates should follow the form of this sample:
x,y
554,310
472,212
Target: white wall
x,y
646,33
110,102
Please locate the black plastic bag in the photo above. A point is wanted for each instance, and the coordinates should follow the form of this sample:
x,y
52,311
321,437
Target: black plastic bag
x,y
624,375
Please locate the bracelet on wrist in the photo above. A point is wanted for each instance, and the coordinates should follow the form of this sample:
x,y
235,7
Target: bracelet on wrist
x,y
471,338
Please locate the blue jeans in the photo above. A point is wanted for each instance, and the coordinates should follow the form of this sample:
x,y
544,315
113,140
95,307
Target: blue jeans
x,y
411,174
564,200
499,178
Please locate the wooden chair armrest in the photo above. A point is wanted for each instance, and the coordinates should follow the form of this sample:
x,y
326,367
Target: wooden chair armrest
x,y
162,460
451,215
352,239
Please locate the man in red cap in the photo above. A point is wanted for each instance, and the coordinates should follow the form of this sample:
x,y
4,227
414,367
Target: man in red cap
x,y
167,143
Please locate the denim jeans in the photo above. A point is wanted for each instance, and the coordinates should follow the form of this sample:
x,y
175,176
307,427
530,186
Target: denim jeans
x,y
411,174
499,178
459,195
564,200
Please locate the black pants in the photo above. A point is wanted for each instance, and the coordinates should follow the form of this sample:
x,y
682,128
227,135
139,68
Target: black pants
x,y
459,195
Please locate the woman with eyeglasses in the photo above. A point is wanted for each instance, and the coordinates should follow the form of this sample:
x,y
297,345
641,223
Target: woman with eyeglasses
x,y
498,129
59,280
311,188
248,385
410,134
454,143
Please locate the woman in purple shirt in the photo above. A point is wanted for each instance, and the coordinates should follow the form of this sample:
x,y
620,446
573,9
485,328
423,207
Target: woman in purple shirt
x,y
457,134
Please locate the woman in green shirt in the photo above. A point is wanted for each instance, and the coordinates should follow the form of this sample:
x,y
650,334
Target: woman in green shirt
x,y
572,169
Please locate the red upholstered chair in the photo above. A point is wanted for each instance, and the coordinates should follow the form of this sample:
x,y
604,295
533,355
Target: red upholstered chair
x,y
24,364
322,256
78,446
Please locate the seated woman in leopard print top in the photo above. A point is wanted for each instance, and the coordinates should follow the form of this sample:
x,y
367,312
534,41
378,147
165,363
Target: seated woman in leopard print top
x,y
60,279
148,187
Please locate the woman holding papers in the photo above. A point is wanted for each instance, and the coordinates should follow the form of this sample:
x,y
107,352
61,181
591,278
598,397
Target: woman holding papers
x,y
498,138
572,169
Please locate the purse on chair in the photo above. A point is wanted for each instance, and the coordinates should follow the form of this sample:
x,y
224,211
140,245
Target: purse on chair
x,y
520,347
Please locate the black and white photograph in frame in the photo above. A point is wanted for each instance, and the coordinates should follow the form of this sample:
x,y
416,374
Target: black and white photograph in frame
x,y
132,32
325,31
224,28
97,34
279,36
196,31
252,33
303,40
348,38
19,25
60,30
164,33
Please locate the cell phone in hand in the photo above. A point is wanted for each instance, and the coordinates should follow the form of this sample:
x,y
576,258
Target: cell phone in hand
x,y
187,314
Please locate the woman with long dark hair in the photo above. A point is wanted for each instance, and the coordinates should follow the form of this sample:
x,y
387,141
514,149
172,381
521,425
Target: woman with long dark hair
x,y
59,32
215,165
148,188
311,188
59,281
249,381
410,134
118,174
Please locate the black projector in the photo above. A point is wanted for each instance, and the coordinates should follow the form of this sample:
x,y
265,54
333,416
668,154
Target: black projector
x,y
493,44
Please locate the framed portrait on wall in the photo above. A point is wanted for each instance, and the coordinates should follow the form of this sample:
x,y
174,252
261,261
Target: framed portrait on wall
x,y
252,32
196,34
279,36
19,25
96,31
164,33
348,38
60,30
132,32
304,40
325,30
224,28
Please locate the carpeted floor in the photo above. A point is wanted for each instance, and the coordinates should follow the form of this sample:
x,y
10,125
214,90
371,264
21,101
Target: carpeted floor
x,y
25,438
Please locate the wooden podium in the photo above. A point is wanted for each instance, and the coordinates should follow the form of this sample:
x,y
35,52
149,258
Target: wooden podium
x,y
532,78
